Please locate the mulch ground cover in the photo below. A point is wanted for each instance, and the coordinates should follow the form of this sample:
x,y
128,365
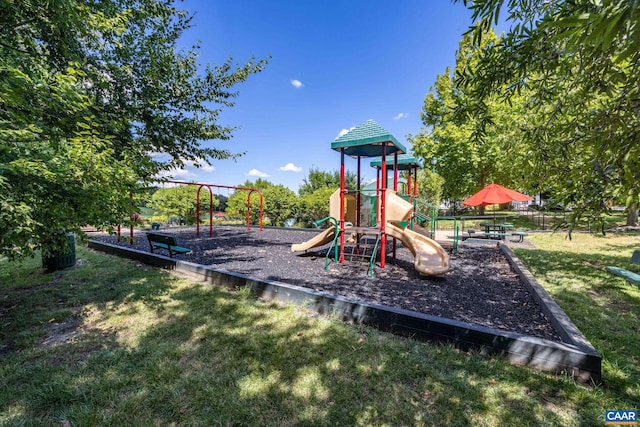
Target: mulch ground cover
x,y
481,289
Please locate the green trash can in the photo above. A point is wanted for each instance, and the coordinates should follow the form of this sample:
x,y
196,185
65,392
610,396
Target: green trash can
x,y
66,259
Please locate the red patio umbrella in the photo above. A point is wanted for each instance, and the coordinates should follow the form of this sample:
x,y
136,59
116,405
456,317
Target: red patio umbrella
x,y
495,194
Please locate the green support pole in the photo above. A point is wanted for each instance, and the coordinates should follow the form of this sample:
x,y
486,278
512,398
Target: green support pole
x,y
433,222
456,232
336,233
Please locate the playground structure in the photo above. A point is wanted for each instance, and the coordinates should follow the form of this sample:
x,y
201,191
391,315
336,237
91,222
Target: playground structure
x,y
209,188
430,258
392,212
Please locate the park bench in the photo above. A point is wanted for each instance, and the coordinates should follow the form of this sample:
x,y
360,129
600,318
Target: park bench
x,y
627,274
165,241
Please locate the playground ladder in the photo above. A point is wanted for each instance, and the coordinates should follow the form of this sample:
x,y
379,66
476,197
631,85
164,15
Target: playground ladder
x,y
360,248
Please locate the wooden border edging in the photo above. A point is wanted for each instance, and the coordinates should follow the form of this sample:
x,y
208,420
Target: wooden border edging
x,y
558,318
574,356
561,322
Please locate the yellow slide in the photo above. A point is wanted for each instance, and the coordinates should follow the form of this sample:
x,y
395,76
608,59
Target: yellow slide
x,y
321,239
430,259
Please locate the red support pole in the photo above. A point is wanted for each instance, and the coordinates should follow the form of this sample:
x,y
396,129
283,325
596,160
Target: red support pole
x,y
395,172
383,218
358,206
341,219
210,211
252,190
409,185
395,188
378,186
358,196
249,211
261,202
198,211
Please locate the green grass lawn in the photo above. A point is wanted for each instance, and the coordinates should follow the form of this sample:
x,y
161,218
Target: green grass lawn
x,y
113,342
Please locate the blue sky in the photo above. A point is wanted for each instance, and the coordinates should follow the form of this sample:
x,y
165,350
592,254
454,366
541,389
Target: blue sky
x,y
334,65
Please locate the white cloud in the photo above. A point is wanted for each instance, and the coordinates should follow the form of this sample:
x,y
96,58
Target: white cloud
x,y
157,155
401,116
177,174
344,131
297,84
290,167
187,164
200,166
256,172
181,172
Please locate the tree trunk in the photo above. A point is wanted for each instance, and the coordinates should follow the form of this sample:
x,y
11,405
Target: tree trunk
x,y
632,215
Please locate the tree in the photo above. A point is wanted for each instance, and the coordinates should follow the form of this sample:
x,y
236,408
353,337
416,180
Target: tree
x,y
280,204
315,206
89,91
181,201
170,102
430,186
222,206
57,170
315,191
318,179
448,140
580,62
237,203
472,150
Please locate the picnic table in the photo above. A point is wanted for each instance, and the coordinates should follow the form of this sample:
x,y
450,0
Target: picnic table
x,y
496,230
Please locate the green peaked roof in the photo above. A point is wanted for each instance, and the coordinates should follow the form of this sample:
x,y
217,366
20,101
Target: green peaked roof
x,y
367,140
405,162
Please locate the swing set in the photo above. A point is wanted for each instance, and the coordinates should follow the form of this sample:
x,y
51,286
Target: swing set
x,y
209,187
